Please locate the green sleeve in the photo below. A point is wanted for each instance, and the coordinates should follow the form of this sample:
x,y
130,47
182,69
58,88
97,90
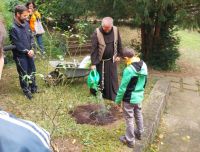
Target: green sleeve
x,y
124,82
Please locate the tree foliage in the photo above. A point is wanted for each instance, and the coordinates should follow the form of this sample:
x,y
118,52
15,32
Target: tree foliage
x,y
188,14
157,20
62,11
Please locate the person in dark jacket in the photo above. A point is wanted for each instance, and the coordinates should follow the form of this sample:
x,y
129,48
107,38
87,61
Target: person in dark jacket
x,y
21,37
106,52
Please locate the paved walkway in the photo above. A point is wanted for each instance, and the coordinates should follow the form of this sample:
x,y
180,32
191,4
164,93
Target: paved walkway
x,y
182,117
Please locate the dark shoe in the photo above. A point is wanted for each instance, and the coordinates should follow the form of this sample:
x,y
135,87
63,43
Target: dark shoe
x,y
35,91
124,141
137,135
28,95
93,92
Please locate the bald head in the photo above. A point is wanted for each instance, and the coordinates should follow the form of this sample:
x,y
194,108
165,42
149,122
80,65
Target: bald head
x,y
107,24
107,21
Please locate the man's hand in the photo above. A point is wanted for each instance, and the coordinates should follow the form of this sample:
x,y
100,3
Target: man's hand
x,y
93,67
31,53
117,59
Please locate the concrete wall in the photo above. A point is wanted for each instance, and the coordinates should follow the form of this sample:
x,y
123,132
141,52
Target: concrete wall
x,y
152,111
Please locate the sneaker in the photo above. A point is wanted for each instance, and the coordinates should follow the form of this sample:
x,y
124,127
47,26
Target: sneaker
x,y
35,91
28,95
128,143
137,135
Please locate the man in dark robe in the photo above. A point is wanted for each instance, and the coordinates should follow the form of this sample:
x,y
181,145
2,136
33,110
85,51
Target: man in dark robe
x,y
106,52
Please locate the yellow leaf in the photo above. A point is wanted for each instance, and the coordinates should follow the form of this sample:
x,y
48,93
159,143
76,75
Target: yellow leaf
x,y
73,142
188,137
183,138
161,136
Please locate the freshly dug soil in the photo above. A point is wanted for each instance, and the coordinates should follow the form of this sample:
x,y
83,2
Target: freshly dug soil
x,y
96,114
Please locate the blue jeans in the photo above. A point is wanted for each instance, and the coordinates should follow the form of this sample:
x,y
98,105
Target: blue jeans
x,y
40,42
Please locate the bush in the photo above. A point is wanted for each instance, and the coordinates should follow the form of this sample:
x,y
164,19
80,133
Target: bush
x,y
55,45
7,18
90,28
56,40
5,14
165,52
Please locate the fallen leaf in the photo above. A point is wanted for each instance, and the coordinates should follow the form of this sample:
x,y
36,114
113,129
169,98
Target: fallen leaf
x,y
161,136
188,137
73,142
183,138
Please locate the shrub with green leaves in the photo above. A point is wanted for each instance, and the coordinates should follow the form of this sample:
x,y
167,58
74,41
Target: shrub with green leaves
x,y
165,54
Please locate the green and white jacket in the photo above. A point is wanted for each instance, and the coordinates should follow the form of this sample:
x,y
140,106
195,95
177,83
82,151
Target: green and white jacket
x,y
133,83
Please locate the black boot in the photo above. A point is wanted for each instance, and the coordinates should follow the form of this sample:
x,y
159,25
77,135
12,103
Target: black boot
x,y
28,95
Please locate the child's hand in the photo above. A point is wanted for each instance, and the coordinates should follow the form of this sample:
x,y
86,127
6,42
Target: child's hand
x,y
119,108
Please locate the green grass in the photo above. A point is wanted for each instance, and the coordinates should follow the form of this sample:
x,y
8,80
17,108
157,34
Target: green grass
x,y
189,47
189,40
51,107
5,14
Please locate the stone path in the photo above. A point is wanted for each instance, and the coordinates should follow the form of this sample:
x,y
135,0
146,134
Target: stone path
x,y
182,116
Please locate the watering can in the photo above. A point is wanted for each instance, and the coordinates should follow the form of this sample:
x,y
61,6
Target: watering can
x,y
93,80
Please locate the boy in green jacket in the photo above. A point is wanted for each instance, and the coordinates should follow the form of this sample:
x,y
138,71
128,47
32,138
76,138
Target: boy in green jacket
x,y
131,92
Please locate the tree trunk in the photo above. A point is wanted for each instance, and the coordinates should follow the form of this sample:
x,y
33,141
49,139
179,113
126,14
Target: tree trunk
x,y
147,40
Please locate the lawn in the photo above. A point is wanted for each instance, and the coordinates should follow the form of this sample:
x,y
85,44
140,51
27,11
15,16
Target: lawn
x,y
189,47
50,109
189,40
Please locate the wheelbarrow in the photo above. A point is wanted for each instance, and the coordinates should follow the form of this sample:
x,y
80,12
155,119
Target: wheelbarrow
x,y
65,70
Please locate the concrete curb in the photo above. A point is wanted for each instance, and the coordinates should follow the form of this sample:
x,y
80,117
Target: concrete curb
x,y
152,112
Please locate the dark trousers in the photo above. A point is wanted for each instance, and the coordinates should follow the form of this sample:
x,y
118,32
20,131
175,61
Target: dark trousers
x,y
26,69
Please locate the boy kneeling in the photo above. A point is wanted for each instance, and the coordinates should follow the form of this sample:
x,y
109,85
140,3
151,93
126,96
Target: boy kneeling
x,y
131,92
